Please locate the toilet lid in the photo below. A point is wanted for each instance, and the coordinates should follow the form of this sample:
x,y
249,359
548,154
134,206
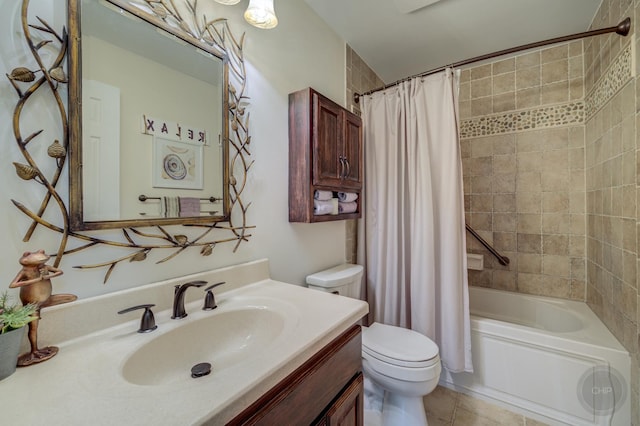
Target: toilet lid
x,y
398,345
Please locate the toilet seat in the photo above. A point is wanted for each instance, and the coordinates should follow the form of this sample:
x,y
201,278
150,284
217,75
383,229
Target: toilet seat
x,y
400,353
400,362
399,346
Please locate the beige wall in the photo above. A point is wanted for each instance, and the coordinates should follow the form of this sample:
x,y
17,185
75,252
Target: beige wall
x,y
522,141
611,170
360,79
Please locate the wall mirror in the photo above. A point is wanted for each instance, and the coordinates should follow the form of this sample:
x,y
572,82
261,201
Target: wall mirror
x,y
182,123
149,120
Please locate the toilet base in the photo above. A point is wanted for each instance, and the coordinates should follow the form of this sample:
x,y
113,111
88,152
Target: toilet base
x,y
372,418
395,402
403,410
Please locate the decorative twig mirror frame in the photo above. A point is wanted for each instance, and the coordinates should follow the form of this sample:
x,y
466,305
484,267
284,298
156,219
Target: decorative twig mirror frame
x,y
136,242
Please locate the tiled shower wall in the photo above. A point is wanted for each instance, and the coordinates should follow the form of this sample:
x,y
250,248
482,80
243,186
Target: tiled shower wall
x,y
551,156
360,79
522,142
613,97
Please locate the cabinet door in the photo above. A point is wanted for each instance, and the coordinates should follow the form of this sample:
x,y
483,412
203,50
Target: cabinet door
x,y
352,151
327,135
314,389
347,410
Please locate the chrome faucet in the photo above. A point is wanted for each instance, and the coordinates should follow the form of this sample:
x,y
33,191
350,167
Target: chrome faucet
x,y
178,298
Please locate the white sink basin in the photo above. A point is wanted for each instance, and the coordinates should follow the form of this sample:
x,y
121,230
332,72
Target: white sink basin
x,y
223,339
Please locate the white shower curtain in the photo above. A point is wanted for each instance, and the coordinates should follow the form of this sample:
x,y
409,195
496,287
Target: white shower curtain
x,y
414,232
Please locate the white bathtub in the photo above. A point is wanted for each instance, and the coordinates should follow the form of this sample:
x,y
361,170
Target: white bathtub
x,y
537,355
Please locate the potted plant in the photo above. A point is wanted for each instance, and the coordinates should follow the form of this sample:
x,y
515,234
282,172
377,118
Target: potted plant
x,y
13,319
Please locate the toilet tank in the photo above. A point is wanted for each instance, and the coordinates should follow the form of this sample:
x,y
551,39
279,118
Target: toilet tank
x,y
344,280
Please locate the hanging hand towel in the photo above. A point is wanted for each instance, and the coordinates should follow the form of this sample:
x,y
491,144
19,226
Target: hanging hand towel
x,y
322,195
171,206
189,206
163,208
325,207
347,197
349,207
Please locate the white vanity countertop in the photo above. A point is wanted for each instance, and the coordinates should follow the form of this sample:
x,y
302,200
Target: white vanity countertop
x,y
84,383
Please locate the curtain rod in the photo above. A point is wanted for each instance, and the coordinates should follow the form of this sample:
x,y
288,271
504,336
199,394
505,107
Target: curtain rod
x,y
621,29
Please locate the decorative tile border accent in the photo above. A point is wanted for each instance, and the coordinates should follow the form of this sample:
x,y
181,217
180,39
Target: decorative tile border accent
x,y
615,78
529,119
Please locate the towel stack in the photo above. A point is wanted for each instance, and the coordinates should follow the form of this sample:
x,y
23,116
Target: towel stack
x,y
324,203
329,202
347,202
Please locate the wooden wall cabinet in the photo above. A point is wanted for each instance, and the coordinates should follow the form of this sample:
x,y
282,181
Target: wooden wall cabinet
x,y
326,390
325,152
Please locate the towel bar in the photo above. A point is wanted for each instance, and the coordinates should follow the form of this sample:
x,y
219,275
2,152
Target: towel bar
x,y
144,198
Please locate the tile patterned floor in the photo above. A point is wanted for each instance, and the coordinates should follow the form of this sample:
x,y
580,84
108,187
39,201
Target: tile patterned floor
x,y
449,408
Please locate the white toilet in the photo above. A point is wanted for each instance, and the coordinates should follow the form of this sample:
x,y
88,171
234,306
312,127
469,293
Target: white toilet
x,y
400,366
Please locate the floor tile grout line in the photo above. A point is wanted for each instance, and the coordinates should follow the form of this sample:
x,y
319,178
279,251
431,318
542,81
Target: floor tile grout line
x,y
478,413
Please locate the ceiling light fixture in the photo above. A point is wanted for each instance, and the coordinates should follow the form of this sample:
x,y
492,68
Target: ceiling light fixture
x,y
260,14
228,2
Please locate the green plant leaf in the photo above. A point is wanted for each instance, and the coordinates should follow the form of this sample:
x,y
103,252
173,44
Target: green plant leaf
x,y
14,316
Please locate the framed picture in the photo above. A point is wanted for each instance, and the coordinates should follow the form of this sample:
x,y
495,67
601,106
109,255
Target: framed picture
x,y
176,164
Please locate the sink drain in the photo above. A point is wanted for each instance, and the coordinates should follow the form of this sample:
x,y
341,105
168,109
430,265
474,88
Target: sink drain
x,y
200,370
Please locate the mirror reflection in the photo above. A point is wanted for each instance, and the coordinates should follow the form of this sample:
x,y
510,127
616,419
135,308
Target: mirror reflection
x,y
152,123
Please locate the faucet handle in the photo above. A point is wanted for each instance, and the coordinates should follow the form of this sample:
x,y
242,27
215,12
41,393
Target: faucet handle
x,y
148,321
198,283
209,298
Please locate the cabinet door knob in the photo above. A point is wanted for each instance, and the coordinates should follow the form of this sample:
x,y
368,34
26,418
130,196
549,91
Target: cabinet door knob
x,y
348,172
342,166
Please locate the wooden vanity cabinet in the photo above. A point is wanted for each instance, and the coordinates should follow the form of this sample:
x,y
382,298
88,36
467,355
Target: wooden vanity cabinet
x,y
347,410
326,390
325,152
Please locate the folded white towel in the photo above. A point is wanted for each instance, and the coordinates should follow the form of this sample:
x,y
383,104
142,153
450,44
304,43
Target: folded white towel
x,y
321,207
347,197
349,207
322,195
